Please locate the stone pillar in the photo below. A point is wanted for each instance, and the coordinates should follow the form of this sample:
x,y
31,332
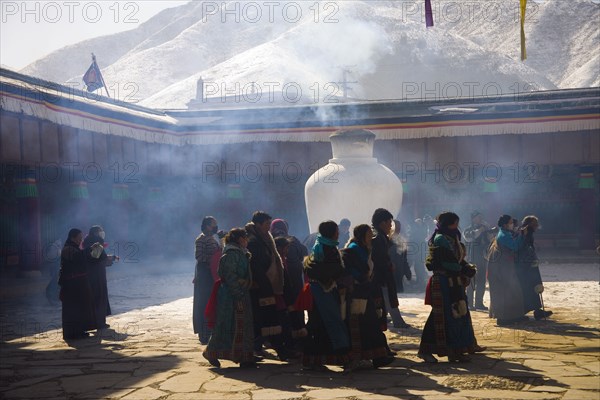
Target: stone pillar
x,y
9,222
80,199
156,233
118,235
30,238
234,214
588,208
490,199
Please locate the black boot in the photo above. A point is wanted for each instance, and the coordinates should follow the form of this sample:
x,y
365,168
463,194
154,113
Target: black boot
x,y
382,361
541,314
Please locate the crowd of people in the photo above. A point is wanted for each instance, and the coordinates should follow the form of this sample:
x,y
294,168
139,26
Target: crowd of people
x,y
268,280
259,287
330,305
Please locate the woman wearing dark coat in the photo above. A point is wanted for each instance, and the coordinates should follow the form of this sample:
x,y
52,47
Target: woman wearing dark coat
x,y
78,315
368,340
448,330
97,275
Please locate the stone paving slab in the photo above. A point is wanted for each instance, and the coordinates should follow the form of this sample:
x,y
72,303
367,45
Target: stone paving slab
x,y
576,394
41,391
507,394
144,380
549,389
151,353
92,382
146,393
184,383
104,394
582,382
210,396
593,366
274,394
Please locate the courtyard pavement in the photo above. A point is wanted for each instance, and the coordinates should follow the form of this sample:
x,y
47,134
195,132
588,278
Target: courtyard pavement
x,y
150,351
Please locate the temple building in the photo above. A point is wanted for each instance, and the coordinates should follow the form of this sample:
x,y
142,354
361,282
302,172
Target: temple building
x,y
72,159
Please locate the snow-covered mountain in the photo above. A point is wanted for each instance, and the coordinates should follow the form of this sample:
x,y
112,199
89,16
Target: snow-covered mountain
x,y
292,52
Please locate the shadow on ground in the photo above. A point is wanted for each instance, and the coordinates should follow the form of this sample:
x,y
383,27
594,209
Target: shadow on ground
x,y
25,310
89,368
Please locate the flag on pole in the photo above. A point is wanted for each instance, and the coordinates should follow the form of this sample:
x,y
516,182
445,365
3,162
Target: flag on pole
x,y
523,51
93,77
428,14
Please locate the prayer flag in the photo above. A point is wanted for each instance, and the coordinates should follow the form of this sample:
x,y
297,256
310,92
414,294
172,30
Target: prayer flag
x,y
523,51
93,77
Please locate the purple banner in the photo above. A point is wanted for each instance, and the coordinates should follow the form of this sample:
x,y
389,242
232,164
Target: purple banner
x,y
428,14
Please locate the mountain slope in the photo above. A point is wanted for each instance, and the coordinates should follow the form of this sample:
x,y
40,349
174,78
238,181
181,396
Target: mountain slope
x,y
472,50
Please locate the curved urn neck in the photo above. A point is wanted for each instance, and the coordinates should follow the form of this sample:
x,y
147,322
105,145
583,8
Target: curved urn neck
x,y
355,144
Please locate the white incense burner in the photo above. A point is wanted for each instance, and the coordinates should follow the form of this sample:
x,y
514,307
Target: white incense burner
x,y
353,184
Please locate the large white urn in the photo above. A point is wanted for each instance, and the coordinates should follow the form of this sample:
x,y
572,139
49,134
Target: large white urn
x,y
353,184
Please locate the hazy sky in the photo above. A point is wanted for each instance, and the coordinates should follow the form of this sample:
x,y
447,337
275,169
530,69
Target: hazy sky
x,y
31,29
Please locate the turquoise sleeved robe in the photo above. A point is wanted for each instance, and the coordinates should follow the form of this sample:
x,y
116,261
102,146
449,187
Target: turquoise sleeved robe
x,y
233,335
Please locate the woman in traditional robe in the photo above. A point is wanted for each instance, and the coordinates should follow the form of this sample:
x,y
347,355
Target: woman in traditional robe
x,y
206,248
233,334
78,314
448,330
328,341
293,277
367,339
97,275
506,294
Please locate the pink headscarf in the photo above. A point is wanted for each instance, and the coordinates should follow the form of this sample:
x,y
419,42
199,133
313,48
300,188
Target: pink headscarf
x,y
279,227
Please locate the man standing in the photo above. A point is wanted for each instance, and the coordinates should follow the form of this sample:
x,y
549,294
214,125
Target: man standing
x,y
267,283
476,236
383,270
398,255
344,237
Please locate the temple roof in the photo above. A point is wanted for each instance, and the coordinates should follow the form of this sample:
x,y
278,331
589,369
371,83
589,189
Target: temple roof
x,y
567,110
